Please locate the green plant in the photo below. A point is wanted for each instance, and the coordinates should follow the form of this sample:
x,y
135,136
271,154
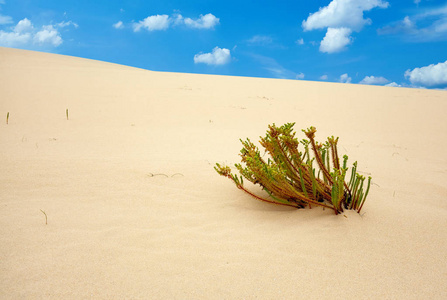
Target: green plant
x,y
314,176
7,118
66,113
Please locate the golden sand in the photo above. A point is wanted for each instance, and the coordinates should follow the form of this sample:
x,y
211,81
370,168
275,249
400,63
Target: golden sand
x,y
117,230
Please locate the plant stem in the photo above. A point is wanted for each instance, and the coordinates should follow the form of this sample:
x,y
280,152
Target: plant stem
x,y
310,134
239,186
46,218
366,194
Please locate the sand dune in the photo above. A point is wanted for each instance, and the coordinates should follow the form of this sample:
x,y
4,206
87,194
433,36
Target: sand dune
x,y
117,230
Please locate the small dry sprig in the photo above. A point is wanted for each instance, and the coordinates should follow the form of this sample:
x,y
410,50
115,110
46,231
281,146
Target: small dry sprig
x,y
46,218
66,113
7,118
289,176
165,175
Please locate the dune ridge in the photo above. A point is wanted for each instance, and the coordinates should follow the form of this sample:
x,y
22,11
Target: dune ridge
x,y
115,231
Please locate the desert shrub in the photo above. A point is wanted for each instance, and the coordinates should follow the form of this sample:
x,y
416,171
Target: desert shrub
x,y
313,176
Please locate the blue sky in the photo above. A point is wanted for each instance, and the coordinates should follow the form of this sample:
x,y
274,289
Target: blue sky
x,y
382,42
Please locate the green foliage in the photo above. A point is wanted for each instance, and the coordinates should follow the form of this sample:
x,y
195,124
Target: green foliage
x,y
66,113
312,176
7,118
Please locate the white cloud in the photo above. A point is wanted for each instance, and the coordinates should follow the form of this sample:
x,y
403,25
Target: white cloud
x,y
65,24
300,41
14,39
48,35
118,25
207,21
432,75
404,26
219,56
24,25
344,78
374,80
341,18
19,36
163,22
335,40
5,20
25,35
261,40
151,23
407,22
323,77
178,19
342,13
429,25
393,84
300,76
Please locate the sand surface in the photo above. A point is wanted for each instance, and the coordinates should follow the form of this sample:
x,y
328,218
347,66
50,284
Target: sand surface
x,y
117,230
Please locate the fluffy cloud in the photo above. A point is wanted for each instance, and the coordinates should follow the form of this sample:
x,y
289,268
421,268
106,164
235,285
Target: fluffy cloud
x,y
430,25
13,39
219,56
341,18
393,84
163,22
24,25
323,77
336,40
48,35
374,80
151,23
19,36
432,75
300,76
342,13
24,34
118,25
344,78
207,21
300,41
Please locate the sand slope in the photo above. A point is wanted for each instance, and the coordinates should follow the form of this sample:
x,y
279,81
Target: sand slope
x,y
115,231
